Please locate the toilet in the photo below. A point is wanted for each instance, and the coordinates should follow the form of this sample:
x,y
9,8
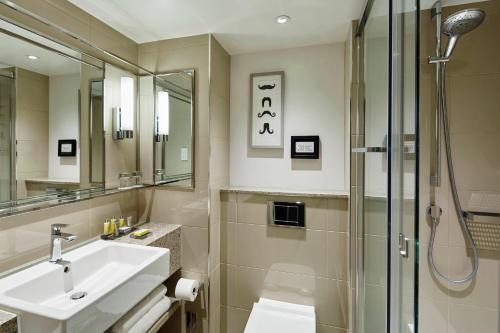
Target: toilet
x,y
269,316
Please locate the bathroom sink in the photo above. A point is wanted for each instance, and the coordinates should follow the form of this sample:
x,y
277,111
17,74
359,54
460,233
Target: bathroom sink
x,y
105,279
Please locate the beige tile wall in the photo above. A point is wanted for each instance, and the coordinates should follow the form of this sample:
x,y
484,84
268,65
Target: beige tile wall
x,y
305,266
219,165
32,127
473,86
26,237
186,207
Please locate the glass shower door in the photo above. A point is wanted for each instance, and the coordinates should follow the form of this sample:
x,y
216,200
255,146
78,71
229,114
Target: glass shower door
x,y
7,179
387,113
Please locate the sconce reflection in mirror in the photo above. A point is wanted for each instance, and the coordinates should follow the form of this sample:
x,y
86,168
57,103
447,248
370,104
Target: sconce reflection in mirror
x,y
123,116
162,125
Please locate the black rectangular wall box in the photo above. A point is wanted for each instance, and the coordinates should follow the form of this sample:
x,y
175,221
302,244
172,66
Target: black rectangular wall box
x,y
289,214
305,147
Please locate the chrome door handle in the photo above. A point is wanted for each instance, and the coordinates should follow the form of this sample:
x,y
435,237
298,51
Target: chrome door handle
x,y
369,150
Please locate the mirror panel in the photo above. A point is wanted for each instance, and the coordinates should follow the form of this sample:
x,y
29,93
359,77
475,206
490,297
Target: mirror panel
x,y
45,102
173,131
120,129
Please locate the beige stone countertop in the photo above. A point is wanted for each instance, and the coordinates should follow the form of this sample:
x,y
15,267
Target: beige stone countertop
x,y
286,192
162,235
8,322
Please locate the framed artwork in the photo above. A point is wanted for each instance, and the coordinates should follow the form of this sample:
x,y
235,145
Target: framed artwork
x,y
66,148
266,98
306,147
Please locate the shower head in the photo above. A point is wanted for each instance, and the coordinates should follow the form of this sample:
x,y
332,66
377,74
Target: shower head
x,y
460,23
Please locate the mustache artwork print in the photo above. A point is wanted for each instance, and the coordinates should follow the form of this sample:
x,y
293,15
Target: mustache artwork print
x,y
262,114
267,86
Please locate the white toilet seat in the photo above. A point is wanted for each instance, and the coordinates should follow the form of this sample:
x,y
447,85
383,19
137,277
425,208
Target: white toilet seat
x,y
270,316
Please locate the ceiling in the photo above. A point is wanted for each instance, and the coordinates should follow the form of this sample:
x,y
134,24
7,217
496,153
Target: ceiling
x,y
241,26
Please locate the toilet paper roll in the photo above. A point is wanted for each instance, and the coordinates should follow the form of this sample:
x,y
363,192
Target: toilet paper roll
x,y
187,289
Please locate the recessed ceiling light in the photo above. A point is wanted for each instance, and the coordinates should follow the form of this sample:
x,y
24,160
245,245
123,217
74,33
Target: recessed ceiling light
x,y
32,57
282,19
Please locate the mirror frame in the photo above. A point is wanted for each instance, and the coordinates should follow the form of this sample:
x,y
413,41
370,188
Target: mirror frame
x,y
171,183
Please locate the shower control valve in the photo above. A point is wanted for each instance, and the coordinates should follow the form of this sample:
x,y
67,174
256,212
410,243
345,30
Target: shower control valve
x,y
434,212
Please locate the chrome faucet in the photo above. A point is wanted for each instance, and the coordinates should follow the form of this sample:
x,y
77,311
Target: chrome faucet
x,y
55,242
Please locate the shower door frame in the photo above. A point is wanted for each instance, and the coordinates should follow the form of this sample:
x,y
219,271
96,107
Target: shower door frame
x,y
395,169
11,76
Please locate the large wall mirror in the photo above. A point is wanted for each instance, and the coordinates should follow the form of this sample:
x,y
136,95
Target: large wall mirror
x,y
173,132
47,95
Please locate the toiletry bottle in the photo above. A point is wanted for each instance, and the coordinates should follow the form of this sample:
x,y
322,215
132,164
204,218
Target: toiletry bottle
x,y
112,225
117,230
121,222
107,227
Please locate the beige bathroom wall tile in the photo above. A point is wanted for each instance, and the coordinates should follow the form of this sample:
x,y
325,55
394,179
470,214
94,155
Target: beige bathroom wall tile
x,y
228,207
26,237
32,157
194,252
214,321
466,319
430,286
215,231
375,215
331,306
202,158
474,104
484,290
468,149
251,208
219,159
215,291
375,308
32,125
180,207
250,286
337,255
120,204
337,215
220,69
433,315
69,16
228,243
229,285
174,43
233,320
219,117
111,40
282,249
476,53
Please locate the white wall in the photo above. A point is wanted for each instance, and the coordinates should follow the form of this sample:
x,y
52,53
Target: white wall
x,y
314,105
64,124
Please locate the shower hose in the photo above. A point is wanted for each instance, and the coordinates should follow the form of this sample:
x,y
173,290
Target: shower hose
x,y
456,200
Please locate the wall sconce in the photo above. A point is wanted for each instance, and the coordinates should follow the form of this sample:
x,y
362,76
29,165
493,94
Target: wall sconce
x,y
162,117
123,116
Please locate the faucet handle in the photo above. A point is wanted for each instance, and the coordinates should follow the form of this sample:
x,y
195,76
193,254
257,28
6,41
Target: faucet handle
x,y
56,228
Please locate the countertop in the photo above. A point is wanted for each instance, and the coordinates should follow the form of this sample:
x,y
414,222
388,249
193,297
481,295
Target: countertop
x,y
8,322
286,192
162,235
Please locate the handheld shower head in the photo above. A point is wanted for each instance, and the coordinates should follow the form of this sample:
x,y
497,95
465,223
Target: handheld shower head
x,y
458,24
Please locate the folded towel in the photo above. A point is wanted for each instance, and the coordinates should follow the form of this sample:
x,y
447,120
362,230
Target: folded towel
x,y
150,318
137,312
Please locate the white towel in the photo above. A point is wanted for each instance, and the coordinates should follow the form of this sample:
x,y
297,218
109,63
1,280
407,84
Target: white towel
x,y
137,312
148,320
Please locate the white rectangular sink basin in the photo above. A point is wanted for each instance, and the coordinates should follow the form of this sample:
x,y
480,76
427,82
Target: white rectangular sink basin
x,y
114,276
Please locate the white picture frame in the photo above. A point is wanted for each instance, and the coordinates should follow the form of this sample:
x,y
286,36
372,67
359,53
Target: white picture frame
x,y
266,110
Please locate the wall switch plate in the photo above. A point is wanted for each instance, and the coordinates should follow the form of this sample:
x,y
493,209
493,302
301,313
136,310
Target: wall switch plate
x,y
184,154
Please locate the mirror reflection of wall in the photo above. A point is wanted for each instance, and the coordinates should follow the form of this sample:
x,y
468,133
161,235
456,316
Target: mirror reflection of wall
x,y
174,129
120,115
40,116
97,133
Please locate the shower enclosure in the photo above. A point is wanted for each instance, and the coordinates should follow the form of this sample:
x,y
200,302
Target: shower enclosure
x,y
384,168
7,154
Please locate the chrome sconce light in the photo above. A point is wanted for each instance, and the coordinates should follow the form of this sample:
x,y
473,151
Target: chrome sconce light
x,y
162,125
123,116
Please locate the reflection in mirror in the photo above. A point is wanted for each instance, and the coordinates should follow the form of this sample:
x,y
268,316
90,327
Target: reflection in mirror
x,y
96,133
173,137
120,123
41,110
